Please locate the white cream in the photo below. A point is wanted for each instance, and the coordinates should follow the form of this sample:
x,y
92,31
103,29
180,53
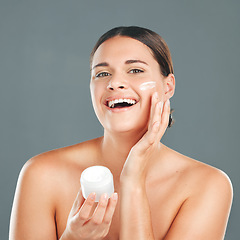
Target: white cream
x,y
98,179
147,85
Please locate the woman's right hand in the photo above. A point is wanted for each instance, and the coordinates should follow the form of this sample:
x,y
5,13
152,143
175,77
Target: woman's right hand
x,y
82,226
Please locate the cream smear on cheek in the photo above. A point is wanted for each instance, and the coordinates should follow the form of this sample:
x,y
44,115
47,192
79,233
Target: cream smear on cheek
x,y
147,85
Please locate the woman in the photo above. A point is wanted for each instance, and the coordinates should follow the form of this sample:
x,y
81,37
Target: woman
x,y
160,194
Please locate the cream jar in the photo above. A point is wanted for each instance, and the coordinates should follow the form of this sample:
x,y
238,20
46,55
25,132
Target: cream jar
x,y
98,179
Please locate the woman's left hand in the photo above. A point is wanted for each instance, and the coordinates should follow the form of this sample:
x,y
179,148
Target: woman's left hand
x,y
135,166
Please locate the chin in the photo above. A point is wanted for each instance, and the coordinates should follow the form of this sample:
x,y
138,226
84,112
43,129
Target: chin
x,y
124,122
126,127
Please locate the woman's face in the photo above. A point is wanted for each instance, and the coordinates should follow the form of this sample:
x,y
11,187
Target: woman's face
x,y
124,76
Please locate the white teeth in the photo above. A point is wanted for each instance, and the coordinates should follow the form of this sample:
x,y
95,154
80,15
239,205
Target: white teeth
x,y
115,101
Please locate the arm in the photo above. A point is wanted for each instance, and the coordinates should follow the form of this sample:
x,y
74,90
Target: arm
x,y
134,209
204,215
136,217
33,212
32,215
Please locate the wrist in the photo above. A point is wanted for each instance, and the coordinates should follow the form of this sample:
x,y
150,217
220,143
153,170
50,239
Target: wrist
x,y
67,236
132,185
133,180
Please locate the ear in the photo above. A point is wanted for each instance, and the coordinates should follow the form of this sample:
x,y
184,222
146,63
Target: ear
x,y
169,86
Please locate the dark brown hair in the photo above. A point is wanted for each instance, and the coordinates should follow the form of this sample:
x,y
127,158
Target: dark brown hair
x,y
151,39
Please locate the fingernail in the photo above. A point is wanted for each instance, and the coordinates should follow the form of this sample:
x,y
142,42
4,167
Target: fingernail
x,y
155,95
161,107
92,196
115,196
160,104
105,196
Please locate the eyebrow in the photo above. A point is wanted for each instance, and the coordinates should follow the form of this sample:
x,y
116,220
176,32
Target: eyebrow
x,y
105,64
135,61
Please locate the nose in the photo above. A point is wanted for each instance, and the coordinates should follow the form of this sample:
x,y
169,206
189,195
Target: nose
x,y
117,82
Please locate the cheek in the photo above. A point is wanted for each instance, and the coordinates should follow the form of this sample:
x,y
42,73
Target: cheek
x,y
92,91
95,94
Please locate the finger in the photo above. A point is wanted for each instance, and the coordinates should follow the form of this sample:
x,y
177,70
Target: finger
x,y
166,112
84,212
77,203
160,122
110,209
157,113
154,101
100,210
154,124
164,119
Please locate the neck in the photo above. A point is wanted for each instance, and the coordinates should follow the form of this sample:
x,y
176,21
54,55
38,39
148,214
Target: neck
x,y
115,147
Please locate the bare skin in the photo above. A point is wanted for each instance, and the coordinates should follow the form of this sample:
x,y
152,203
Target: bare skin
x,y
162,194
169,184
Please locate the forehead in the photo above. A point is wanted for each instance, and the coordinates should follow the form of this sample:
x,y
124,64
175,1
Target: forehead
x,y
121,48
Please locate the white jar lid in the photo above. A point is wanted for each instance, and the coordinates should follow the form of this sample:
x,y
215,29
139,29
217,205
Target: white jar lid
x,y
98,179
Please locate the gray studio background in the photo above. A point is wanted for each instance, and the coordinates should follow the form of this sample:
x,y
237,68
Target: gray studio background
x,y
44,73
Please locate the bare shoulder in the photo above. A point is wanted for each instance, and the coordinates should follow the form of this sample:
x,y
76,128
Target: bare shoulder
x,y
209,179
51,171
53,161
211,185
207,199
42,181
200,174
48,170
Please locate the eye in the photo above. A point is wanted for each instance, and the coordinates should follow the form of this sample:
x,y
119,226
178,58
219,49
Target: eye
x,y
135,70
103,74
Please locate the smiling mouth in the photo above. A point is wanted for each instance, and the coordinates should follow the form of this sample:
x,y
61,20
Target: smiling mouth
x,y
121,103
